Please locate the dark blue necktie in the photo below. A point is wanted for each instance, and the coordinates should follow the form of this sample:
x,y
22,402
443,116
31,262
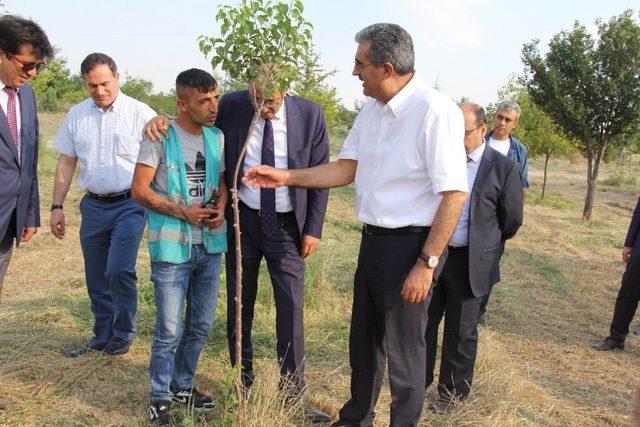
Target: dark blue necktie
x,y
268,221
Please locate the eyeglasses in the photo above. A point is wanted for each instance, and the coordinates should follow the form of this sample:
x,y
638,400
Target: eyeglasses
x,y
27,66
360,66
469,132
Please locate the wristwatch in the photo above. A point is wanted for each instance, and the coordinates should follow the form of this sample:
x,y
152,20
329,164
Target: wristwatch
x,y
56,207
431,261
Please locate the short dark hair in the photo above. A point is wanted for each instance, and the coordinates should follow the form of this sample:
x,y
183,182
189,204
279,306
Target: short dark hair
x,y
389,43
195,78
16,31
94,59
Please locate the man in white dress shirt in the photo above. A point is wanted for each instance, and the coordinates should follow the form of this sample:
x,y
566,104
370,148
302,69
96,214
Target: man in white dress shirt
x,y
102,134
406,155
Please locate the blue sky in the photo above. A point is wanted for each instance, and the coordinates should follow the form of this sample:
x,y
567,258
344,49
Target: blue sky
x,y
470,46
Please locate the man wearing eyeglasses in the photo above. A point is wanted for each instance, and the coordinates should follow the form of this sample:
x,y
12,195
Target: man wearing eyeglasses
x,y
283,226
492,214
102,135
406,156
23,49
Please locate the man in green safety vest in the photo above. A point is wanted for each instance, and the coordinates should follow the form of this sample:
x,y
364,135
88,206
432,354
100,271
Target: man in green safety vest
x,y
181,182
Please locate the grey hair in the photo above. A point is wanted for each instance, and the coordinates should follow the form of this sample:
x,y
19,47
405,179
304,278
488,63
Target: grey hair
x,y
478,112
509,106
389,43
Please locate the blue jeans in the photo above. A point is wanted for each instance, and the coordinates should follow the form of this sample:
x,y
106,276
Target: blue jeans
x,y
110,235
176,347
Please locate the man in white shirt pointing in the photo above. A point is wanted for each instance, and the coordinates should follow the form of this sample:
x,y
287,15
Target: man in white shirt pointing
x,y
406,156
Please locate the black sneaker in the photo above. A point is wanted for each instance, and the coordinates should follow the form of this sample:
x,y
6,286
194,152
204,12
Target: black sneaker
x,y
191,396
160,413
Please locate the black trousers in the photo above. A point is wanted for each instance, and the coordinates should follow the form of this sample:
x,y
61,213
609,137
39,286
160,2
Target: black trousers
x,y
453,298
627,301
386,330
286,269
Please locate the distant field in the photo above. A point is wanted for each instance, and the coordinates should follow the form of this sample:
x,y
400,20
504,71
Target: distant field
x,y
559,282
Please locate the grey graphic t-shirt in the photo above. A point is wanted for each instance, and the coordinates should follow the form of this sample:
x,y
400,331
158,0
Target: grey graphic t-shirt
x,y
152,154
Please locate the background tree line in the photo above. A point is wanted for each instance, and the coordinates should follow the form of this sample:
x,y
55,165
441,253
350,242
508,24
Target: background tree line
x,y
57,89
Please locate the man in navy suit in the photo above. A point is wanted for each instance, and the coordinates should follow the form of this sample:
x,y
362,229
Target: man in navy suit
x,y
23,49
283,226
492,214
629,293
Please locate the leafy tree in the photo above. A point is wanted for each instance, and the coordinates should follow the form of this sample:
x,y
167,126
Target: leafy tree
x,y
142,90
260,40
590,87
312,84
56,90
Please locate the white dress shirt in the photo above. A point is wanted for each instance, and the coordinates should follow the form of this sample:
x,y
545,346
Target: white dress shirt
x,y
409,150
460,236
4,102
501,147
253,157
106,143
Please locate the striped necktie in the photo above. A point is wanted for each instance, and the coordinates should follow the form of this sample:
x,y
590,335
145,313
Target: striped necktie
x,y
12,117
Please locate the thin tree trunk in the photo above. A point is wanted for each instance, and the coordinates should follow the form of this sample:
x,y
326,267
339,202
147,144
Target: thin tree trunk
x,y
236,227
544,179
592,178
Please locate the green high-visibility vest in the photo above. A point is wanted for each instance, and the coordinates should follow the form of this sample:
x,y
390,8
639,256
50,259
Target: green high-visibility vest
x,y
170,237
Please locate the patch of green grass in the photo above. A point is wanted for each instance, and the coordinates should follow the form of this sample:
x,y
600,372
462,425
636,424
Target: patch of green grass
x,y
618,179
551,200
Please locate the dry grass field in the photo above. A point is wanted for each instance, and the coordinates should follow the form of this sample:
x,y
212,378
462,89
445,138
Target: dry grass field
x,y
535,367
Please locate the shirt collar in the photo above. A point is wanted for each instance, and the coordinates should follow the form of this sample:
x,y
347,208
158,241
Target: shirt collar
x,y
399,101
282,112
3,85
476,155
116,103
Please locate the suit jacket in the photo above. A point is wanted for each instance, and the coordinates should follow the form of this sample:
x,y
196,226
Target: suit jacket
x,y
307,146
19,180
495,215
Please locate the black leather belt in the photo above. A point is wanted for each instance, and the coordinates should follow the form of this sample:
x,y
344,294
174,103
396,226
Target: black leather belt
x,y
111,197
410,229
458,249
244,206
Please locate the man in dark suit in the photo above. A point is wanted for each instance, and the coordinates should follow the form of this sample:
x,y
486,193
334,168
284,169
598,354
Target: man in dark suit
x,y
284,226
492,214
629,293
23,49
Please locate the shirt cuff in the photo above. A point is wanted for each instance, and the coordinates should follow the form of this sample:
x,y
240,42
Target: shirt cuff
x,y
348,154
439,187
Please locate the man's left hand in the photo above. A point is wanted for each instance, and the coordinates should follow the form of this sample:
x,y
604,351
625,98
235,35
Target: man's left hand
x,y
217,219
309,245
27,233
417,284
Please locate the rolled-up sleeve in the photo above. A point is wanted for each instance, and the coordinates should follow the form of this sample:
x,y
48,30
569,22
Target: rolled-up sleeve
x,y
350,145
445,155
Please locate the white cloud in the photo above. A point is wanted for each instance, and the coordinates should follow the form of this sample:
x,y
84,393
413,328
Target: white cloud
x,y
445,22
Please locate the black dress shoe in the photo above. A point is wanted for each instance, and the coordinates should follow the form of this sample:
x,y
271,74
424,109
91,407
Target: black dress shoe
x,y
315,415
117,346
608,344
77,352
